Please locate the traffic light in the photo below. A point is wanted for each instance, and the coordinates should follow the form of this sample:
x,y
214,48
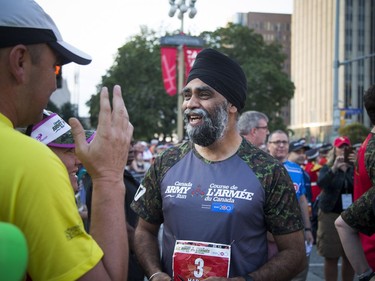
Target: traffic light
x,y
58,72
342,118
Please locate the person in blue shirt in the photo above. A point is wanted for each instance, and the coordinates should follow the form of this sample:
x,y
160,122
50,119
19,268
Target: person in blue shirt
x,y
278,146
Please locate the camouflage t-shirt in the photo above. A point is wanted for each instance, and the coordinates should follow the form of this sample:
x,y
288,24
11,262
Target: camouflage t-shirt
x,y
364,175
234,202
360,215
370,158
364,179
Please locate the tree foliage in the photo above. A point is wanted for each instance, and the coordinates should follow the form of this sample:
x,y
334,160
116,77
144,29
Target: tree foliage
x,y
356,132
269,88
137,68
51,106
66,111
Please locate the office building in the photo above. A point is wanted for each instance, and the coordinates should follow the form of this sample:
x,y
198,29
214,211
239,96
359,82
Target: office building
x,y
272,27
313,68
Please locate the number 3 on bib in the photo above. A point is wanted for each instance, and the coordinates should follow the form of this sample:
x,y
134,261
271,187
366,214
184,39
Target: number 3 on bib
x,y
198,273
195,260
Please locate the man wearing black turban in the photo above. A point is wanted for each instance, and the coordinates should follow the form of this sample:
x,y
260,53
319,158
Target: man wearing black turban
x,y
217,191
221,73
226,77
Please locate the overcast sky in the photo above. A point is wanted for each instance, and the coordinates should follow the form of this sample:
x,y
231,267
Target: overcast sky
x,y
99,28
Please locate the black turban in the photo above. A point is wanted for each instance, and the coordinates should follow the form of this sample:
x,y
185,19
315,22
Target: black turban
x,y
221,73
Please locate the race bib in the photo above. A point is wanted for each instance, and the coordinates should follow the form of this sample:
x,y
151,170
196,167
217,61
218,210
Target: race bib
x,y
193,260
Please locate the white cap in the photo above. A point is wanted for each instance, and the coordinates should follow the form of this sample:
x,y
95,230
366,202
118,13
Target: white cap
x,y
50,128
25,22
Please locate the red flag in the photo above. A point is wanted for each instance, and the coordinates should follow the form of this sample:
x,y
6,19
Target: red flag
x,y
190,53
168,66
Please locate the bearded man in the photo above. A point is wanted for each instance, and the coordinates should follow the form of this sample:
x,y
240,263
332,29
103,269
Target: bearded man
x,y
216,194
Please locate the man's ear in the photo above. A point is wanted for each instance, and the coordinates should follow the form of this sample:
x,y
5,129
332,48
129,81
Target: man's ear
x,y
252,131
232,108
19,59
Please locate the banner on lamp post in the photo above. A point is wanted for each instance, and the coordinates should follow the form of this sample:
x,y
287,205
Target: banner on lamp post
x,y
168,66
190,45
190,54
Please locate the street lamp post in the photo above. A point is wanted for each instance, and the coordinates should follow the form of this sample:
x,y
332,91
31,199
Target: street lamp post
x,y
183,8
336,64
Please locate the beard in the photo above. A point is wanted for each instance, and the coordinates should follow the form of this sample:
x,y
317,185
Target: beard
x,y
213,126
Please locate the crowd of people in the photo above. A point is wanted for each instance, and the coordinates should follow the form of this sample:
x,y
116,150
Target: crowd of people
x,y
145,153
331,176
234,201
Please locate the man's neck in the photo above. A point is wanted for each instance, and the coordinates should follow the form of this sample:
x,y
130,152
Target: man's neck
x,y
221,149
250,139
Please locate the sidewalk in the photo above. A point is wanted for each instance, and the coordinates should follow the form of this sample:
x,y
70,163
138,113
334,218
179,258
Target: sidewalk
x,y
312,277
316,267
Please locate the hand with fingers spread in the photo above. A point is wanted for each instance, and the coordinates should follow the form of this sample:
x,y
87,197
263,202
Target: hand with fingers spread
x,y
105,159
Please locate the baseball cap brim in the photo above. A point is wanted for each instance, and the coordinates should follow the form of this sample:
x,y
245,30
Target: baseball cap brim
x,y
25,22
312,153
69,53
293,148
325,147
55,132
67,140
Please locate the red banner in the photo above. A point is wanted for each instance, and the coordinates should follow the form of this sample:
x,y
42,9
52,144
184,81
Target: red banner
x,y
190,54
168,66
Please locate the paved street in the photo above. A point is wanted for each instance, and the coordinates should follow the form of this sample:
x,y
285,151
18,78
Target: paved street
x,y
316,267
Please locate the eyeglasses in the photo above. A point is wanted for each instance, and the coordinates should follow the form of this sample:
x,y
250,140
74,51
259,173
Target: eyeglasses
x,y
262,127
279,142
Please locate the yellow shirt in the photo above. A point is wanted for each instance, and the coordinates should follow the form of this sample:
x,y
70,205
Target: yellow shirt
x,y
36,195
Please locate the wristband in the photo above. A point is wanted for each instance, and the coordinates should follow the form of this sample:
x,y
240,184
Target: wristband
x,y
247,277
366,276
154,274
307,229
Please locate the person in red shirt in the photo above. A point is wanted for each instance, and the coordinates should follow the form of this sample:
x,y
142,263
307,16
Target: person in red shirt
x,y
313,168
323,152
364,175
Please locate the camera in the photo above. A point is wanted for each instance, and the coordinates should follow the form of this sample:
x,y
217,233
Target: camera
x,y
347,151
